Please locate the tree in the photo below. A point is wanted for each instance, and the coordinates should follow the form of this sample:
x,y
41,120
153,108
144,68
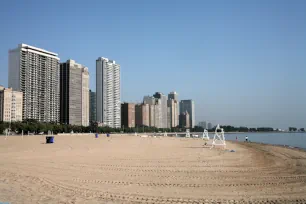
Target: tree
x,y
302,129
2,128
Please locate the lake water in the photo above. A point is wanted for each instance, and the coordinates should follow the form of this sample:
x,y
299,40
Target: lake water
x,y
290,139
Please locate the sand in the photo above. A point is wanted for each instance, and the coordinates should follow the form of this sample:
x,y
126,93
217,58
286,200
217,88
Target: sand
x,y
130,169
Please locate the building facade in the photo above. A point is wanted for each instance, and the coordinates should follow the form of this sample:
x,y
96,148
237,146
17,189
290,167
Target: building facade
x,y
92,107
164,109
173,95
155,111
108,92
188,105
128,115
10,105
184,120
203,124
152,115
142,117
209,126
35,72
74,93
173,110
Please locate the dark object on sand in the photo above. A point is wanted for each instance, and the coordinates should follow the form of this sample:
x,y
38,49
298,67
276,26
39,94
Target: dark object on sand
x,y
49,139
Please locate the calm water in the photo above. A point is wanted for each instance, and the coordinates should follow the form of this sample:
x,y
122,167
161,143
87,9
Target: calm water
x,y
291,139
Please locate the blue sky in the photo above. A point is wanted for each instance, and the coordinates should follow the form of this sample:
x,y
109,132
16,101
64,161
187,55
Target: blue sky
x,y
242,62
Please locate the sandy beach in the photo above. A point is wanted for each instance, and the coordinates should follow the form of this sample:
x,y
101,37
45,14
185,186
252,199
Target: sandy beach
x,y
130,169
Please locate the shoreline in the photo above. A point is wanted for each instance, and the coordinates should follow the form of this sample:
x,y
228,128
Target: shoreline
x,y
266,144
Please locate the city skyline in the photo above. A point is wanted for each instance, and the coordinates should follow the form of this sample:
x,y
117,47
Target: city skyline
x,y
242,69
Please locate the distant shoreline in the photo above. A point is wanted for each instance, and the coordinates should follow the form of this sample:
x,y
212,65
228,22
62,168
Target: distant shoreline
x,y
257,132
267,144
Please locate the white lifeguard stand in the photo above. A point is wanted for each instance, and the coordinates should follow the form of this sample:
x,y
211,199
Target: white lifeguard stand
x,y
205,135
165,134
219,139
188,133
135,133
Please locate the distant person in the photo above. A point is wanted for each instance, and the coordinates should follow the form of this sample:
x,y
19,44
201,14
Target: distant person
x,y
246,138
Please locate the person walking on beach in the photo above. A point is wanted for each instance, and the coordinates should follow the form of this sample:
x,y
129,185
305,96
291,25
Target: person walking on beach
x,y
246,138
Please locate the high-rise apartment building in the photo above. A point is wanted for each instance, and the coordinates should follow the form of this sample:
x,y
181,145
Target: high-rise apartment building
x,y
164,110
35,72
184,120
173,95
74,93
173,110
128,115
188,105
152,115
142,117
10,105
108,92
203,124
209,126
92,107
155,111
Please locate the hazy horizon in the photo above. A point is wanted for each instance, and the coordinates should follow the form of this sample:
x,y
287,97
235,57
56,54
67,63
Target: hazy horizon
x,y
242,62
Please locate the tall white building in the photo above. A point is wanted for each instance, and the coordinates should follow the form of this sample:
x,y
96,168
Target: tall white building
x,y
74,93
10,105
164,109
108,92
35,72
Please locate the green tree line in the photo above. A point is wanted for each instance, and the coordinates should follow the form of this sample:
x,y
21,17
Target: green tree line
x,y
33,126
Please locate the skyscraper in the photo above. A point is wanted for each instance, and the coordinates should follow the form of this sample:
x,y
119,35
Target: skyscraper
x,y
154,110
35,72
188,105
108,92
142,115
173,95
74,93
10,105
184,120
173,110
209,126
92,107
203,124
163,116
128,115
152,115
